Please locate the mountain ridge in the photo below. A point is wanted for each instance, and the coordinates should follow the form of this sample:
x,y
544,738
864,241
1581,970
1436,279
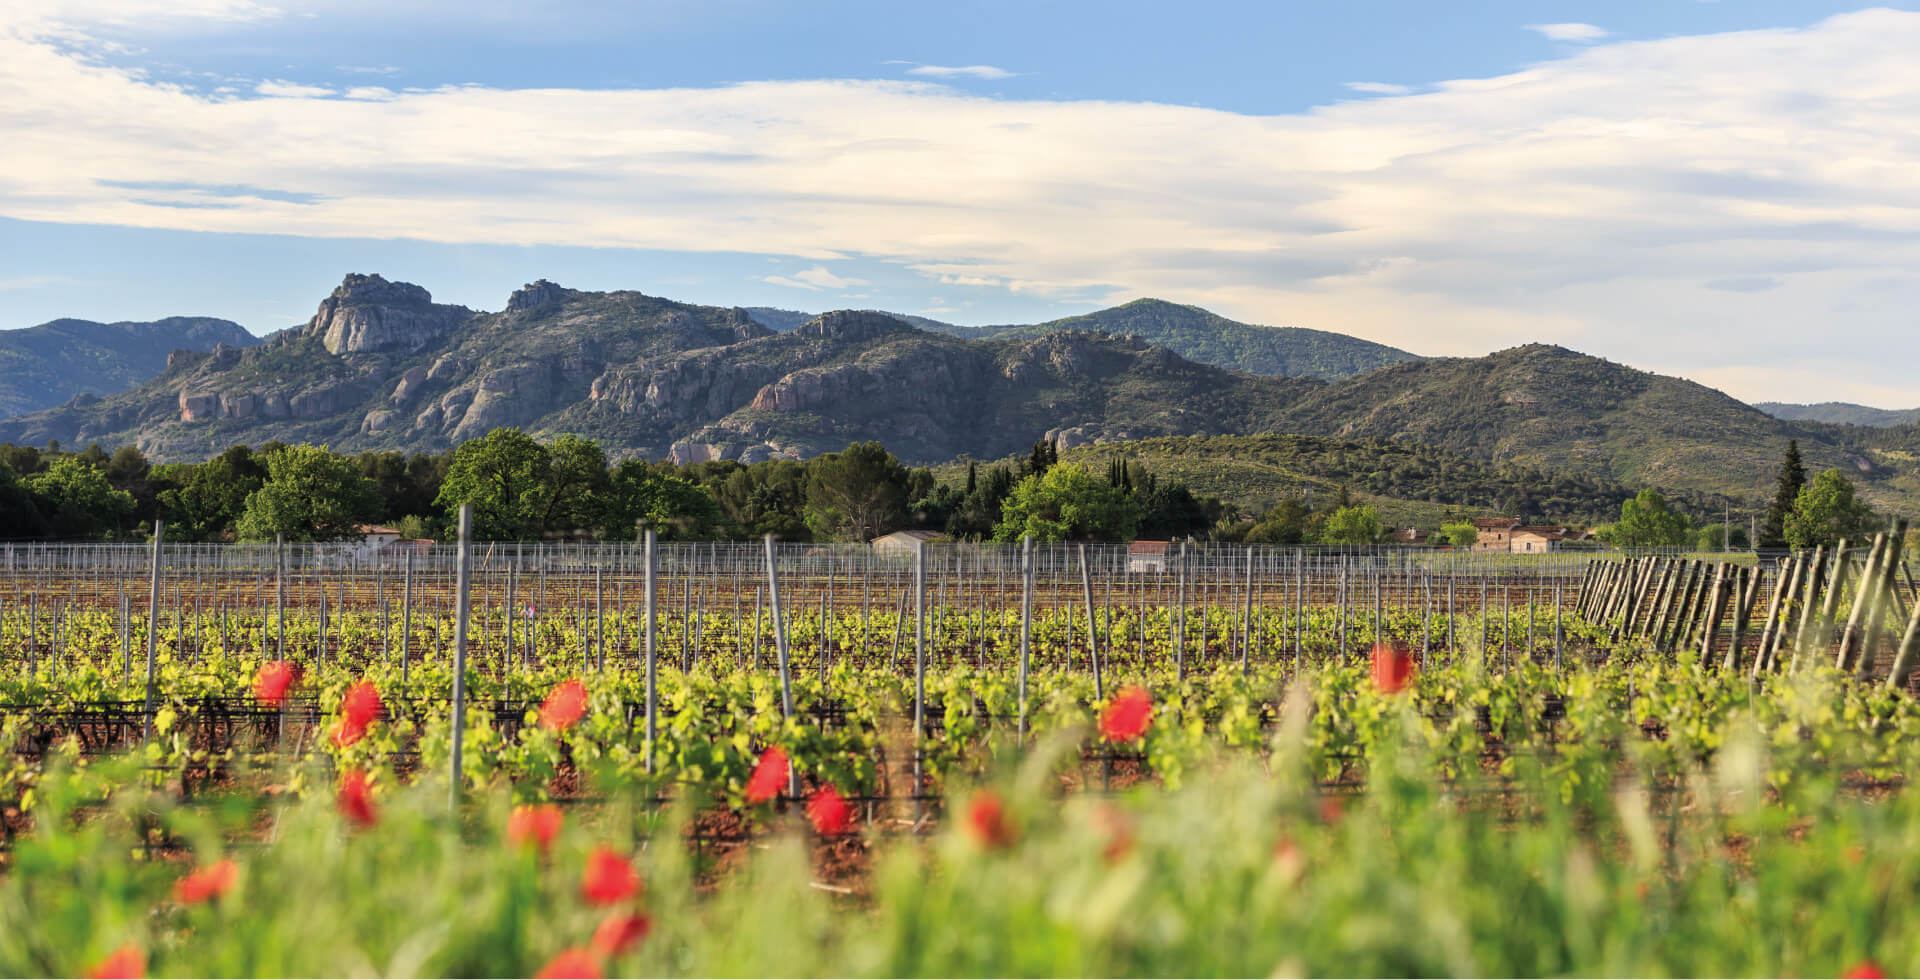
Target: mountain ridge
x,y
1194,333
380,366
50,363
1840,413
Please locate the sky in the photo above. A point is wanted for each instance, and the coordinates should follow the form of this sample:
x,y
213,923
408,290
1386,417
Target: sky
x,y
1720,190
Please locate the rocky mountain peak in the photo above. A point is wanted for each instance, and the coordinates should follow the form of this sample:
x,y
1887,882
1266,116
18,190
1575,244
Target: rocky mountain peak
x,y
851,325
376,290
368,313
536,293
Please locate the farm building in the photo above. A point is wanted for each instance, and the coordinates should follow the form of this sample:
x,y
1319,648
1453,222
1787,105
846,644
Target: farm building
x,y
1409,535
1533,540
1148,557
1507,535
1494,533
902,544
372,539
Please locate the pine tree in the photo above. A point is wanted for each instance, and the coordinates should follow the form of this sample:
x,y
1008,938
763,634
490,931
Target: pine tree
x,y
1793,476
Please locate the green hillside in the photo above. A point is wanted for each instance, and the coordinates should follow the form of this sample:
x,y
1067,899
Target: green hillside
x,y
1208,338
1410,484
1840,413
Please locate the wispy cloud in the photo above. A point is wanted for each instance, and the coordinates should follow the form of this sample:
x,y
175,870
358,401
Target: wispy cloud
x,y
1380,88
817,278
1583,199
965,71
292,90
38,282
1575,32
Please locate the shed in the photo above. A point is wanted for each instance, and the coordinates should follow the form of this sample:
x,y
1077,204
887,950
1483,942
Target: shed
x,y
1148,557
902,544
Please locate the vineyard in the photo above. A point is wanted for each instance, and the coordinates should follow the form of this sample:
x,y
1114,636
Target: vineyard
x,y
976,759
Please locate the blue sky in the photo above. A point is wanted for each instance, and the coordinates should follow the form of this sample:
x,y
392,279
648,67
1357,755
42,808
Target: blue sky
x,y
1720,190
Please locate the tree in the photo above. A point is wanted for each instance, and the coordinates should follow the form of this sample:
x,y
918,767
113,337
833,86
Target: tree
x,y
1067,504
1042,457
769,497
1786,492
126,465
20,515
78,500
407,484
856,494
1646,522
1286,523
1460,534
503,475
1722,537
575,489
1353,525
1826,511
206,500
310,494
674,508
1170,511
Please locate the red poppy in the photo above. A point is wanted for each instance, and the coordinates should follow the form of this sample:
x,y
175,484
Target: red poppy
x,y
987,820
1865,970
570,964
356,797
273,682
1127,715
357,710
829,812
566,705
769,776
126,963
619,931
1392,667
533,824
206,884
609,877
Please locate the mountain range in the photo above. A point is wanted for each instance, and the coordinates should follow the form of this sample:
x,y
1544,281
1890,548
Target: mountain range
x,y
382,366
48,364
1840,413
1189,331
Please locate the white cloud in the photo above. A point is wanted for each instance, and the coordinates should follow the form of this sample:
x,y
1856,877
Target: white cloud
x,y
277,88
817,278
1583,200
966,71
1577,33
1380,88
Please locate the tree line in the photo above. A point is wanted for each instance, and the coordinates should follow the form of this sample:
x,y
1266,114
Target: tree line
x,y
568,488
521,488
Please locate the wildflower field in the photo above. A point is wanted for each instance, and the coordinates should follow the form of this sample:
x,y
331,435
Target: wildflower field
x,y
1181,789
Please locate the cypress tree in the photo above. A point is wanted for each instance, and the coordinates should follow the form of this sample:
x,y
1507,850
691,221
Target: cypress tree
x,y
1793,476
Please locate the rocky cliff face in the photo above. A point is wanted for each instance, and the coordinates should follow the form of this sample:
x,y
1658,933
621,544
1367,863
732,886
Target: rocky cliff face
x,y
368,313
